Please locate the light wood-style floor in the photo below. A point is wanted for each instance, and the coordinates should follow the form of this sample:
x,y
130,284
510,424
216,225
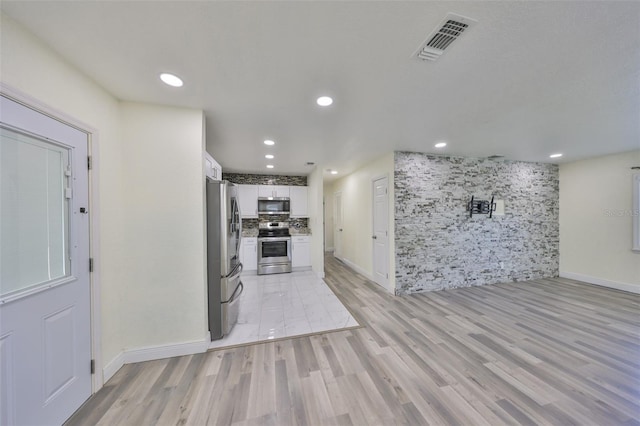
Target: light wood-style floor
x,y
541,352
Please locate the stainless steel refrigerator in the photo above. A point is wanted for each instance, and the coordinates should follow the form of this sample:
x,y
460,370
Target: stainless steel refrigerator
x,y
224,231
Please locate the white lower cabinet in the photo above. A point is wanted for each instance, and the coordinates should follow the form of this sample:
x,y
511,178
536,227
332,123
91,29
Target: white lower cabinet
x,y
249,253
300,251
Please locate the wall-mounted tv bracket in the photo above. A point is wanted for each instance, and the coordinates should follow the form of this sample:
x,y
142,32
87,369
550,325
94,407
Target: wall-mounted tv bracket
x,y
481,207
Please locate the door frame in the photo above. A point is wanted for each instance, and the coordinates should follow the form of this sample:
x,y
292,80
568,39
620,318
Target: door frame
x,y
373,209
97,379
335,223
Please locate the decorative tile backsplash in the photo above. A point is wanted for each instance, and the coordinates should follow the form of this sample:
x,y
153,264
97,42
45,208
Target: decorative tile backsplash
x,y
296,224
251,179
438,246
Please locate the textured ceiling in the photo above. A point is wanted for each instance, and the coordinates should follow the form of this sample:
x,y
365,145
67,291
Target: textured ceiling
x,y
529,79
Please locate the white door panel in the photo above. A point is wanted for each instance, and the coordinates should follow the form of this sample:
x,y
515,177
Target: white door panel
x,y
381,232
45,317
7,393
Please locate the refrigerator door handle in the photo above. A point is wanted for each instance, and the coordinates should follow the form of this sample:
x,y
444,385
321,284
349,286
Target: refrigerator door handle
x,y
236,271
234,296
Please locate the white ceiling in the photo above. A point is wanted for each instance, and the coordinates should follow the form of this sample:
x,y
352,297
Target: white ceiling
x,y
529,79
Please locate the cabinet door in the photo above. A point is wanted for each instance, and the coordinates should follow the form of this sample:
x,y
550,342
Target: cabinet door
x,y
213,170
299,195
248,195
300,252
249,254
266,191
281,191
217,171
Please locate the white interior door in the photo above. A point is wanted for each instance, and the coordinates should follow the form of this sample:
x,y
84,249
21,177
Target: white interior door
x,y
45,335
381,232
337,234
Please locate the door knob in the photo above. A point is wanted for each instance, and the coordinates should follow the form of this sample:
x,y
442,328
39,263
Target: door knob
x,y
374,237
340,229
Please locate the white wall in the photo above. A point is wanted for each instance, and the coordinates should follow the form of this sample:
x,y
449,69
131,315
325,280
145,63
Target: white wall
x,y
31,67
357,245
149,166
164,228
596,221
314,182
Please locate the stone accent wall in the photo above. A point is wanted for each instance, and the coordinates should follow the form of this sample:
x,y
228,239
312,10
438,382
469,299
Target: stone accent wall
x,y
438,246
249,179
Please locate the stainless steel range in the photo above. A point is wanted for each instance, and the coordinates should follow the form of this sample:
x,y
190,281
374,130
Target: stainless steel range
x,y
274,248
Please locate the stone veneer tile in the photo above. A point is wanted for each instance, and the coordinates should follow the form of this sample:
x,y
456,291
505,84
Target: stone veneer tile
x,y
297,224
253,179
439,247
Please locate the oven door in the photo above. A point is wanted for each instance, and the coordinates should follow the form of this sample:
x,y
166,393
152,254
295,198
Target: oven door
x,y
274,250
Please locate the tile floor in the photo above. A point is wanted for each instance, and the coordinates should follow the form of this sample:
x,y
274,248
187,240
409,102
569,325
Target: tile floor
x,y
285,305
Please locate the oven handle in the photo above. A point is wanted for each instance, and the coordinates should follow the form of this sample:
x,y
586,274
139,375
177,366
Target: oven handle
x,y
234,296
269,239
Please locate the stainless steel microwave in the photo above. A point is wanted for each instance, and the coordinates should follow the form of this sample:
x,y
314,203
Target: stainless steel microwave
x,y
273,205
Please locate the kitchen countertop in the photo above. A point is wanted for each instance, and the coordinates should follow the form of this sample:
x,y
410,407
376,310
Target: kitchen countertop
x,y
300,231
250,233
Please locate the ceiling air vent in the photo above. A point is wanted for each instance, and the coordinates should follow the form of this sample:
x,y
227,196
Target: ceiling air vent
x,y
450,29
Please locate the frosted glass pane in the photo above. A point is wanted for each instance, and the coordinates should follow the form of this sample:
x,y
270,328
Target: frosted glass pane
x,y
33,212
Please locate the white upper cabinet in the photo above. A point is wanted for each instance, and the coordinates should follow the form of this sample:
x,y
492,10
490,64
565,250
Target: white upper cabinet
x,y
299,196
282,191
212,169
248,195
277,191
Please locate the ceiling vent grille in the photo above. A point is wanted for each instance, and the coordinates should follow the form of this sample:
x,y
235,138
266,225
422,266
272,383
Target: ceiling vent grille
x,y
450,29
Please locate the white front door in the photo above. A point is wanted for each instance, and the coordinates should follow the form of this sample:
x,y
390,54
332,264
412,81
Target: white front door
x,y
337,234
45,335
381,232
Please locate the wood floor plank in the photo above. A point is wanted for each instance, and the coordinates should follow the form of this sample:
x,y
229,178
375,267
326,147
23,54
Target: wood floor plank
x,y
544,352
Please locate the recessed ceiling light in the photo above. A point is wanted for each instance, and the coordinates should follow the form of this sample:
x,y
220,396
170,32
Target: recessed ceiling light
x,y
334,172
324,101
441,145
555,155
171,79
268,156
269,142
269,166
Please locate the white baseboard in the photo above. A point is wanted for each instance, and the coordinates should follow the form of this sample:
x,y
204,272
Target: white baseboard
x,y
328,249
631,288
151,353
112,367
356,268
158,352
